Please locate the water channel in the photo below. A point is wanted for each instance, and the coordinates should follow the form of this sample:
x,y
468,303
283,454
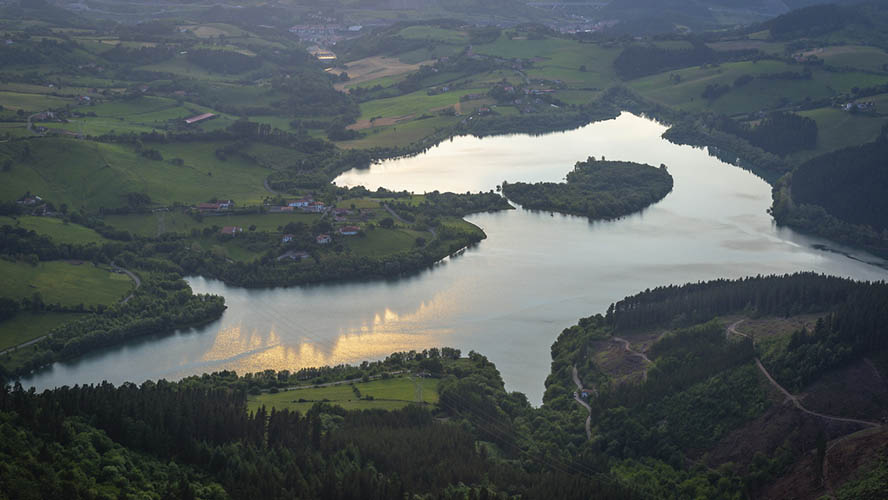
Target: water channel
x,y
510,296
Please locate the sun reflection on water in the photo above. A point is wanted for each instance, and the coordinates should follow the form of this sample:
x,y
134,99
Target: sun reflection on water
x,y
292,345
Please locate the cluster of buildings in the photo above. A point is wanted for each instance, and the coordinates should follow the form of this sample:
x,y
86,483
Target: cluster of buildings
x,y
303,204
862,107
218,206
324,34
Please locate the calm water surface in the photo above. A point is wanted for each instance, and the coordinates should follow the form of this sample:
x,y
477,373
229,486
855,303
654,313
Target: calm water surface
x,y
509,297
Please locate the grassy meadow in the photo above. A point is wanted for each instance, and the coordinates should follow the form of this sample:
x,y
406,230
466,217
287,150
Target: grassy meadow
x,y
26,326
57,229
387,394
66,283
91,175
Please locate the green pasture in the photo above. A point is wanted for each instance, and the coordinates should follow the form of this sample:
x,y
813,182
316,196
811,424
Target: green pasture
x,y
233,248
93,175
26,326
758,94
400,134
57,229
31,102
180,66
143,114
380,242
435,34
179,222
388,394
427,53
837,129
853,56
415,103
63,282
559,59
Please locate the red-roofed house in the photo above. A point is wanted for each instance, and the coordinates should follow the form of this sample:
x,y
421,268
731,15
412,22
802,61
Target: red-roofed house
x,y
231,230
349,230
323,239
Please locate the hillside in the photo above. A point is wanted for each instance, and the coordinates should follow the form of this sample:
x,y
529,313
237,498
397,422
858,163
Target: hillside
x,y
743,381
849,183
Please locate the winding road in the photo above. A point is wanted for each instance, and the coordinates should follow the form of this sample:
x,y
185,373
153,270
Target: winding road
x,y
796,400
576,379
132,276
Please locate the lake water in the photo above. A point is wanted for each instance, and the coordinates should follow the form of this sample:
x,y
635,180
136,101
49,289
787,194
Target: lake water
x,y
510,296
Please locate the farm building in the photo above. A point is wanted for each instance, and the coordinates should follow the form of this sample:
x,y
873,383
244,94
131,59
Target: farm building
x,y
300,203
231,230
316,207
199,118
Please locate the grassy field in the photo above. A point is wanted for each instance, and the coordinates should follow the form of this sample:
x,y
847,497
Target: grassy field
x,y
388,394
400,134
143,114
436,34
559,59
380,242
56,229
852,56
838,129
757,94
31,102
372,71
26,326
179,222
415,103
63,282
93,175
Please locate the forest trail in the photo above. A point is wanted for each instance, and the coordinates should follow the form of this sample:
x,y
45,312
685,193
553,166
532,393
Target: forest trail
x,y
627,346
267,186
576,379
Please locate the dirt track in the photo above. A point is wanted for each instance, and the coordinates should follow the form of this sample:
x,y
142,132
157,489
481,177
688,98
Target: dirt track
x,y
795,399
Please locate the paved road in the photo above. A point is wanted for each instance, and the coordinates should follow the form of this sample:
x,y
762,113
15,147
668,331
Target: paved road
x,y
24,344
132,276
576,379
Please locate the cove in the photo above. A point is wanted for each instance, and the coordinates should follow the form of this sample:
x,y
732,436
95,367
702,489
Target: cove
x,y
510,296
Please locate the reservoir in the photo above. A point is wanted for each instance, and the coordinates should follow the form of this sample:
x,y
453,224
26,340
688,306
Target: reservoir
x,y
510,296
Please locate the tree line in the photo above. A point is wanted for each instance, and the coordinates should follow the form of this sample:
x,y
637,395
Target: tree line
x,y
597,189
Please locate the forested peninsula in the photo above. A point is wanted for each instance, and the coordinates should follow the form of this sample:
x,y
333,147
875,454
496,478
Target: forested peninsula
x,y
597,189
